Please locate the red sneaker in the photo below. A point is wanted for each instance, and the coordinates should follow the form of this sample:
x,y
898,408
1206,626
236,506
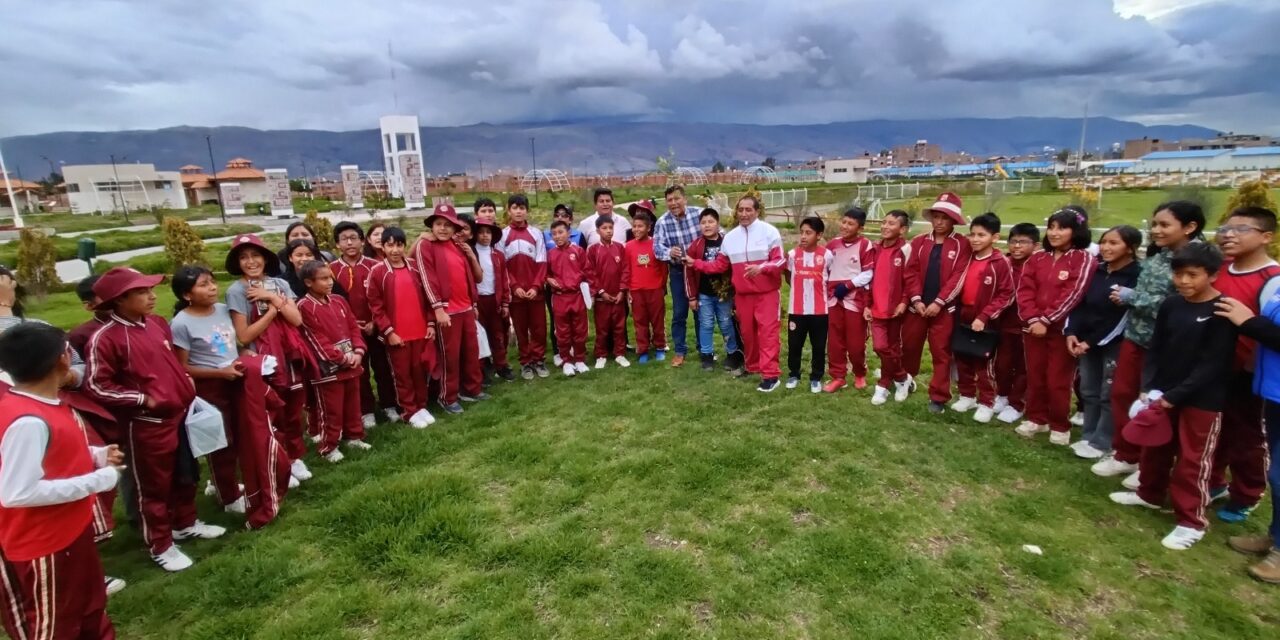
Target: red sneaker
x,y
859,382
835,385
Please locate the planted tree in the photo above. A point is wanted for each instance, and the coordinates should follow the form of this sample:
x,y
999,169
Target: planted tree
x,y
37,262
322,228
182,244
1254,193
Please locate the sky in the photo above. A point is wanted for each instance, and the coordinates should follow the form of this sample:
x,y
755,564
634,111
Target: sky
x,y
89,65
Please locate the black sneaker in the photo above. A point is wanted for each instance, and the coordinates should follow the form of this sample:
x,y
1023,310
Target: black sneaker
x,y
454,408
708,362
466,398
526,372
506,374
541,368
937,407
767,385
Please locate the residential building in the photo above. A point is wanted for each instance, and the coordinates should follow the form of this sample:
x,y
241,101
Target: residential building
x,y
112,188
1134,149
197,185
26,193
845,170
253,181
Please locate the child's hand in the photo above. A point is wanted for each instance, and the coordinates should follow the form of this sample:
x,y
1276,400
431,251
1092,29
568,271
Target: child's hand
x,y
230,372
1164,404
115,457
394,340
555,284
751,271
932,310
866,314
1233,310
688,262
442,318
431,332
148,402
693,304
901,309
918,307
1038,330
978,326
504,311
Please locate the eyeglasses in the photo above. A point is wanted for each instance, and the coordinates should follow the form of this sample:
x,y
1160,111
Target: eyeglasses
x,y
1237,229
1021,241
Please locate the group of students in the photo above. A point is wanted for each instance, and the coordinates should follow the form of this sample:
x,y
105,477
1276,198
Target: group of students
x,y
1160,351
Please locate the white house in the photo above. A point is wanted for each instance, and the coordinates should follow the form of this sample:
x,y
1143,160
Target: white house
x,y
109,188
845,171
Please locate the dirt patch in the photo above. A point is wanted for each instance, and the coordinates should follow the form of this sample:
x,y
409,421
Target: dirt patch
x,y
659,541
802,518
955,495
935,547
814,484
703,613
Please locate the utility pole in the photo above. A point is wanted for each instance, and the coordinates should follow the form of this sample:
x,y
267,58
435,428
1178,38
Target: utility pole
x,y
306,180
1084,125
13,202
533,151
213,177
123,202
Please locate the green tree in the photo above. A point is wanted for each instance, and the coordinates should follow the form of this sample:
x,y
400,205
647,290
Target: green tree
x,y
322,228
770,162
1062,155
1254,193
37,262
182,244
718,167
666,165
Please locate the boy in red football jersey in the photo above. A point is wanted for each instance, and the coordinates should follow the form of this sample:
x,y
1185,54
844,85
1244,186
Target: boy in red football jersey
x,y
851,272
645,278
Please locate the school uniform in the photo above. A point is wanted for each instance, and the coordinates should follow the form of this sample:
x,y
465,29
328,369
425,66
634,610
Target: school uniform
x,y
79,337
398,305
494,293
264,463
1051,286
1099,323
526,254
569,266
933,275
1011,360
1190,361
757,299
353,278
807,309
330,328
985,294
847,336
130,362
446,273
51,582
605,273
210,343
888,291
644,278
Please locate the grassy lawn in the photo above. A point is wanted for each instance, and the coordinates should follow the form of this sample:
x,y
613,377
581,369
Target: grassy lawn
x,y
656,503
71,222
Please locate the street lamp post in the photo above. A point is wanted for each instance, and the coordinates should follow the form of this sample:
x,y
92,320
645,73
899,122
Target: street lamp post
x,y
13,202
533,151
213,175
123,202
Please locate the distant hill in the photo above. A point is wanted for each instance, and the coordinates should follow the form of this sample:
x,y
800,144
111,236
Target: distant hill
x,y
614,147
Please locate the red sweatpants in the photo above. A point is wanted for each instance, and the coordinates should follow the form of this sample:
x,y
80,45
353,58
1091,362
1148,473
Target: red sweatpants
x,y
886,339
288,421
611,320
264,465
495,326
409,370
104,522
977,379
337,412
222,463
1126,386
376,365
1011,370
530,320
649,313
166,500
59,596
1051,370
1242,447
571,325
1181,468
462,372
846,342
937,330
758,318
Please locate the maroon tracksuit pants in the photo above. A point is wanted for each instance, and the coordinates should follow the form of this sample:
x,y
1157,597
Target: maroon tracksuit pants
x,y
846,342
495,327
376,365
461,358
223,395
1242,448
611,323
649,312
1181,468
760,324
409,366
288,421
1126,386
337,412
1051,371
886,339
264,464
166,500
571,326
530,320
975,377
916,330
59,596
1011,370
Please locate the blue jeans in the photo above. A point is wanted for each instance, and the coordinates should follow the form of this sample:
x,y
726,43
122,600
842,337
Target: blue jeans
x,y
679,311
1272,420
712,311
1097,367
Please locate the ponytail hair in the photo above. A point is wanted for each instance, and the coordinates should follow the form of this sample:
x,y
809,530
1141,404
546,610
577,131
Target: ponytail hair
x,y
184,280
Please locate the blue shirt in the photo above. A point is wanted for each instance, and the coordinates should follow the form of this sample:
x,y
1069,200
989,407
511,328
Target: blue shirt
x,y
575,237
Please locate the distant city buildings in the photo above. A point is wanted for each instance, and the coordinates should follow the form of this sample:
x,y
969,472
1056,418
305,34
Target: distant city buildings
x,y
1134,149
113,187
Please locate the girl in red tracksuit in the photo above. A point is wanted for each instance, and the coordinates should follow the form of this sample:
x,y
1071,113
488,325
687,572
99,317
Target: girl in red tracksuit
x,y
1053,283
887,304
605,260
448,272
938,261
526,251
985,295
398,304
330,328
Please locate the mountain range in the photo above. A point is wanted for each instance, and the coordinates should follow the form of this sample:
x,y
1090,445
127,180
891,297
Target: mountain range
x,y
596,147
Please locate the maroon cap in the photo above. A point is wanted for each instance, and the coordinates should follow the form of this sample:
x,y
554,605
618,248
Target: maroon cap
x,y
445,211
118,281
1150,428
251,241
949,204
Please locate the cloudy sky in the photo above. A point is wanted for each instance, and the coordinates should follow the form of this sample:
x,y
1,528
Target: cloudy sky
x,y
123,64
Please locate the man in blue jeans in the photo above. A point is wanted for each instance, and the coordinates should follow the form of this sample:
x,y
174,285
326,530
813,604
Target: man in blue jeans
x,y
677,229
714,301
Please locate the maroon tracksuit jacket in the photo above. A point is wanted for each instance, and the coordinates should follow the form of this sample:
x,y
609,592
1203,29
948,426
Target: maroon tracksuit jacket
x,y
1011,361
330,328
1050,287
354,279
78,337
458,366
916,329
888,290
409,362
569,267
994,295
491,307
605,276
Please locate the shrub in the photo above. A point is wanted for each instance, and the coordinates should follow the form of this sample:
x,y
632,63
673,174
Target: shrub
x,y
322,228
1191,193
182,244
1254,193
37,262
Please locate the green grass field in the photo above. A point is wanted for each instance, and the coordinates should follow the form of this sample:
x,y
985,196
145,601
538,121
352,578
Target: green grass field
x,y
655,503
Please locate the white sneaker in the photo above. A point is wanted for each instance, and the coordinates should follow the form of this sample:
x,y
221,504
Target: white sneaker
x,y
983,414
1086,451
901,390
1182,538
911,384
558,360
1009,415
569,371
793,383
1132,499
1060,438
1109,466
210,490
299,470
293,483
581,367
391,414
238,506
369,421
1077,419
600,362
622,361
199,530
880,396
1029,429
173,559
114,585
1000,404
963,404
316,439
421,419
1132,481
334,456
357,444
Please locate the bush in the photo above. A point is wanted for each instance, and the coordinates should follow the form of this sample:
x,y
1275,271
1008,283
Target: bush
x,y
182,244
121,240
37,262
322,228
1192,193
1254,193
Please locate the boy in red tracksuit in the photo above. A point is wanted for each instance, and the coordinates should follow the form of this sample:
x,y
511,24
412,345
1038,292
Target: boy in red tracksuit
x,y
351,270
133,372
850,273
567,270
933,277
331,329
644,278
78,337
447,268
605,271
1011,361
525,249
494,288
52,584
887,303
398,304
985,295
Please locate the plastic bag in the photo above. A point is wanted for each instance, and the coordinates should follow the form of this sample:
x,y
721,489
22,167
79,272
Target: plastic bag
x,y
205,431
482,338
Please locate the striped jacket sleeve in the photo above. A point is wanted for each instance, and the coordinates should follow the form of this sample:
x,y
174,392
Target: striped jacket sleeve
x,y
950,289
100,373
1002,289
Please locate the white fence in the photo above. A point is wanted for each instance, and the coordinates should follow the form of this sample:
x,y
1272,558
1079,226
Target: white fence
x,y
771,199
898,191
1022,185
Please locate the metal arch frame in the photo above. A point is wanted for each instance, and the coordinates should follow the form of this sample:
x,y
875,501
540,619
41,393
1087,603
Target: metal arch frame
x,y
762,171
556,180
689,175
376,179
